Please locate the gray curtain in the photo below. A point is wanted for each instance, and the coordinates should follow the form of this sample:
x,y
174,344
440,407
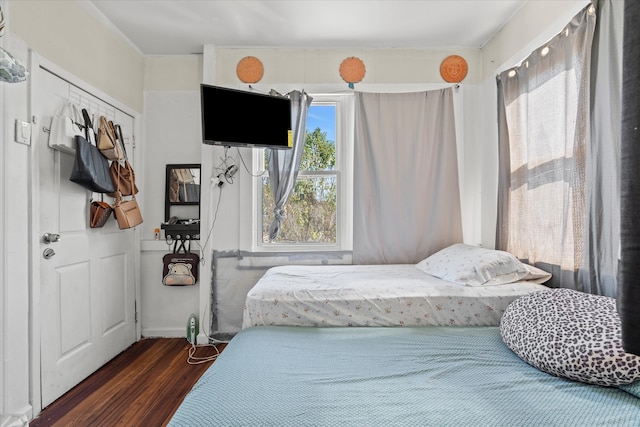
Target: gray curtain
x,y
406,196
284,164
628,299
558,192
603,203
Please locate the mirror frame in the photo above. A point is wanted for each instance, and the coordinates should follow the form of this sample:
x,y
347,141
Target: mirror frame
x,y
183,229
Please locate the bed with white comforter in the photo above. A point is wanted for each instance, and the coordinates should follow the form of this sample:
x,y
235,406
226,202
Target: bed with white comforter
x,y
475,292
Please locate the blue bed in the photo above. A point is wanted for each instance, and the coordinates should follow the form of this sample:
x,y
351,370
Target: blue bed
x,y
393,376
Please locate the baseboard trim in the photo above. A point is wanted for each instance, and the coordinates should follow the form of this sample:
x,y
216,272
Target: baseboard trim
x,y
164,332
19,419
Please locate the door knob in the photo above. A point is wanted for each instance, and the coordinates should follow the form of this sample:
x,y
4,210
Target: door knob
x,y
50,238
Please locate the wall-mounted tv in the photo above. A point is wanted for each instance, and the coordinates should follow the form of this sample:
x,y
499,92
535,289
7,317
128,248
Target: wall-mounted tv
x,y
232,117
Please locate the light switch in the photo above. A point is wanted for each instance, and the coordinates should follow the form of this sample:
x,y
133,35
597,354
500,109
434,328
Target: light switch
x,y
23,132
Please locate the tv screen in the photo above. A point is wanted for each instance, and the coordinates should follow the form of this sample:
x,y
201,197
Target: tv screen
x,y
233,117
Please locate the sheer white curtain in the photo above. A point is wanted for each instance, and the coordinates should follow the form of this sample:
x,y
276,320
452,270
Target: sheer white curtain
x,y
406,195
558,192
284,164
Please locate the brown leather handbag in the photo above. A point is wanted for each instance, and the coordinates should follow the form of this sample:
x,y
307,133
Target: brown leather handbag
x,y
122,175
123,178
107,140
99,213
127,213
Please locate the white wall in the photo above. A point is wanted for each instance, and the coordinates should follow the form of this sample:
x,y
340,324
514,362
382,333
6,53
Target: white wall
x,y
172,135
15,395
77,38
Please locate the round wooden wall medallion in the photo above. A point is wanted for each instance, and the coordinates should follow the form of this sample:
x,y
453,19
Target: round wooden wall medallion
x,y
352,70
250,69
453,69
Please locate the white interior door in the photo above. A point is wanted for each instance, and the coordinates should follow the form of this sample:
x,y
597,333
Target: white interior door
x,y
87,291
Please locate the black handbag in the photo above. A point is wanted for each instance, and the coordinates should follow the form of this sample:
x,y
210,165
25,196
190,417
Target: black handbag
x,y
90,167
180,268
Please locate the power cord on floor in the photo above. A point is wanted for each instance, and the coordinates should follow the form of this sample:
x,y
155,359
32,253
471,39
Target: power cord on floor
x,y
192,359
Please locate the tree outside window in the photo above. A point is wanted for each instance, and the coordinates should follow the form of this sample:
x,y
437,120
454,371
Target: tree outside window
x,y
312,207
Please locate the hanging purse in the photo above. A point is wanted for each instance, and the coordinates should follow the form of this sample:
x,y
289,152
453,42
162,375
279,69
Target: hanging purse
x,y
65,125
127,212
99,213
107,141
122,175
123,178
180,268
90,167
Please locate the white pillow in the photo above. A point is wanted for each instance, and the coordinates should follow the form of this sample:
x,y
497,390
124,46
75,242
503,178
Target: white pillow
x,y
536,275
475,266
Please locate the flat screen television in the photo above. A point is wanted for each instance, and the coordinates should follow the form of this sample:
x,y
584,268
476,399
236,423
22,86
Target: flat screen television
x,y
232,117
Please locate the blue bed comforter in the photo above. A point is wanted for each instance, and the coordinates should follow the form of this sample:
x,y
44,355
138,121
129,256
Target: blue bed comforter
x,y
428,376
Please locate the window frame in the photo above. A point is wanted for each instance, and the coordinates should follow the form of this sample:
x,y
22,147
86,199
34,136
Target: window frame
x,y
344,181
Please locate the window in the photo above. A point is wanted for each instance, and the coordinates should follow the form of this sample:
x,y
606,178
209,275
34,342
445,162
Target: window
x,y
558,190
547,174
316,214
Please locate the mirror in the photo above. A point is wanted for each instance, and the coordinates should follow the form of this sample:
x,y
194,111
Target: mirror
x,y
183,183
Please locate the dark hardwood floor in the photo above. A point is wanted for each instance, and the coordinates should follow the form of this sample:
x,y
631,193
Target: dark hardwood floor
x,y
142,386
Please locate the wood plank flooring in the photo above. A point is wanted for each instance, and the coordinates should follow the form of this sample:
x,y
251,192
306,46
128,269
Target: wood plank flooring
x,y
143,386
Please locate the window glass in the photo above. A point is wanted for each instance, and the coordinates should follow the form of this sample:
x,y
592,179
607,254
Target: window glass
x,y
313,205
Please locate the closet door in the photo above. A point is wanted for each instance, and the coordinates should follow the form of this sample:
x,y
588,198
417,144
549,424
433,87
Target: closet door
x,y
87,292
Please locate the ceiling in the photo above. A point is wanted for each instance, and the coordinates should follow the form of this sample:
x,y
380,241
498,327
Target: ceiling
x,y
178,27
